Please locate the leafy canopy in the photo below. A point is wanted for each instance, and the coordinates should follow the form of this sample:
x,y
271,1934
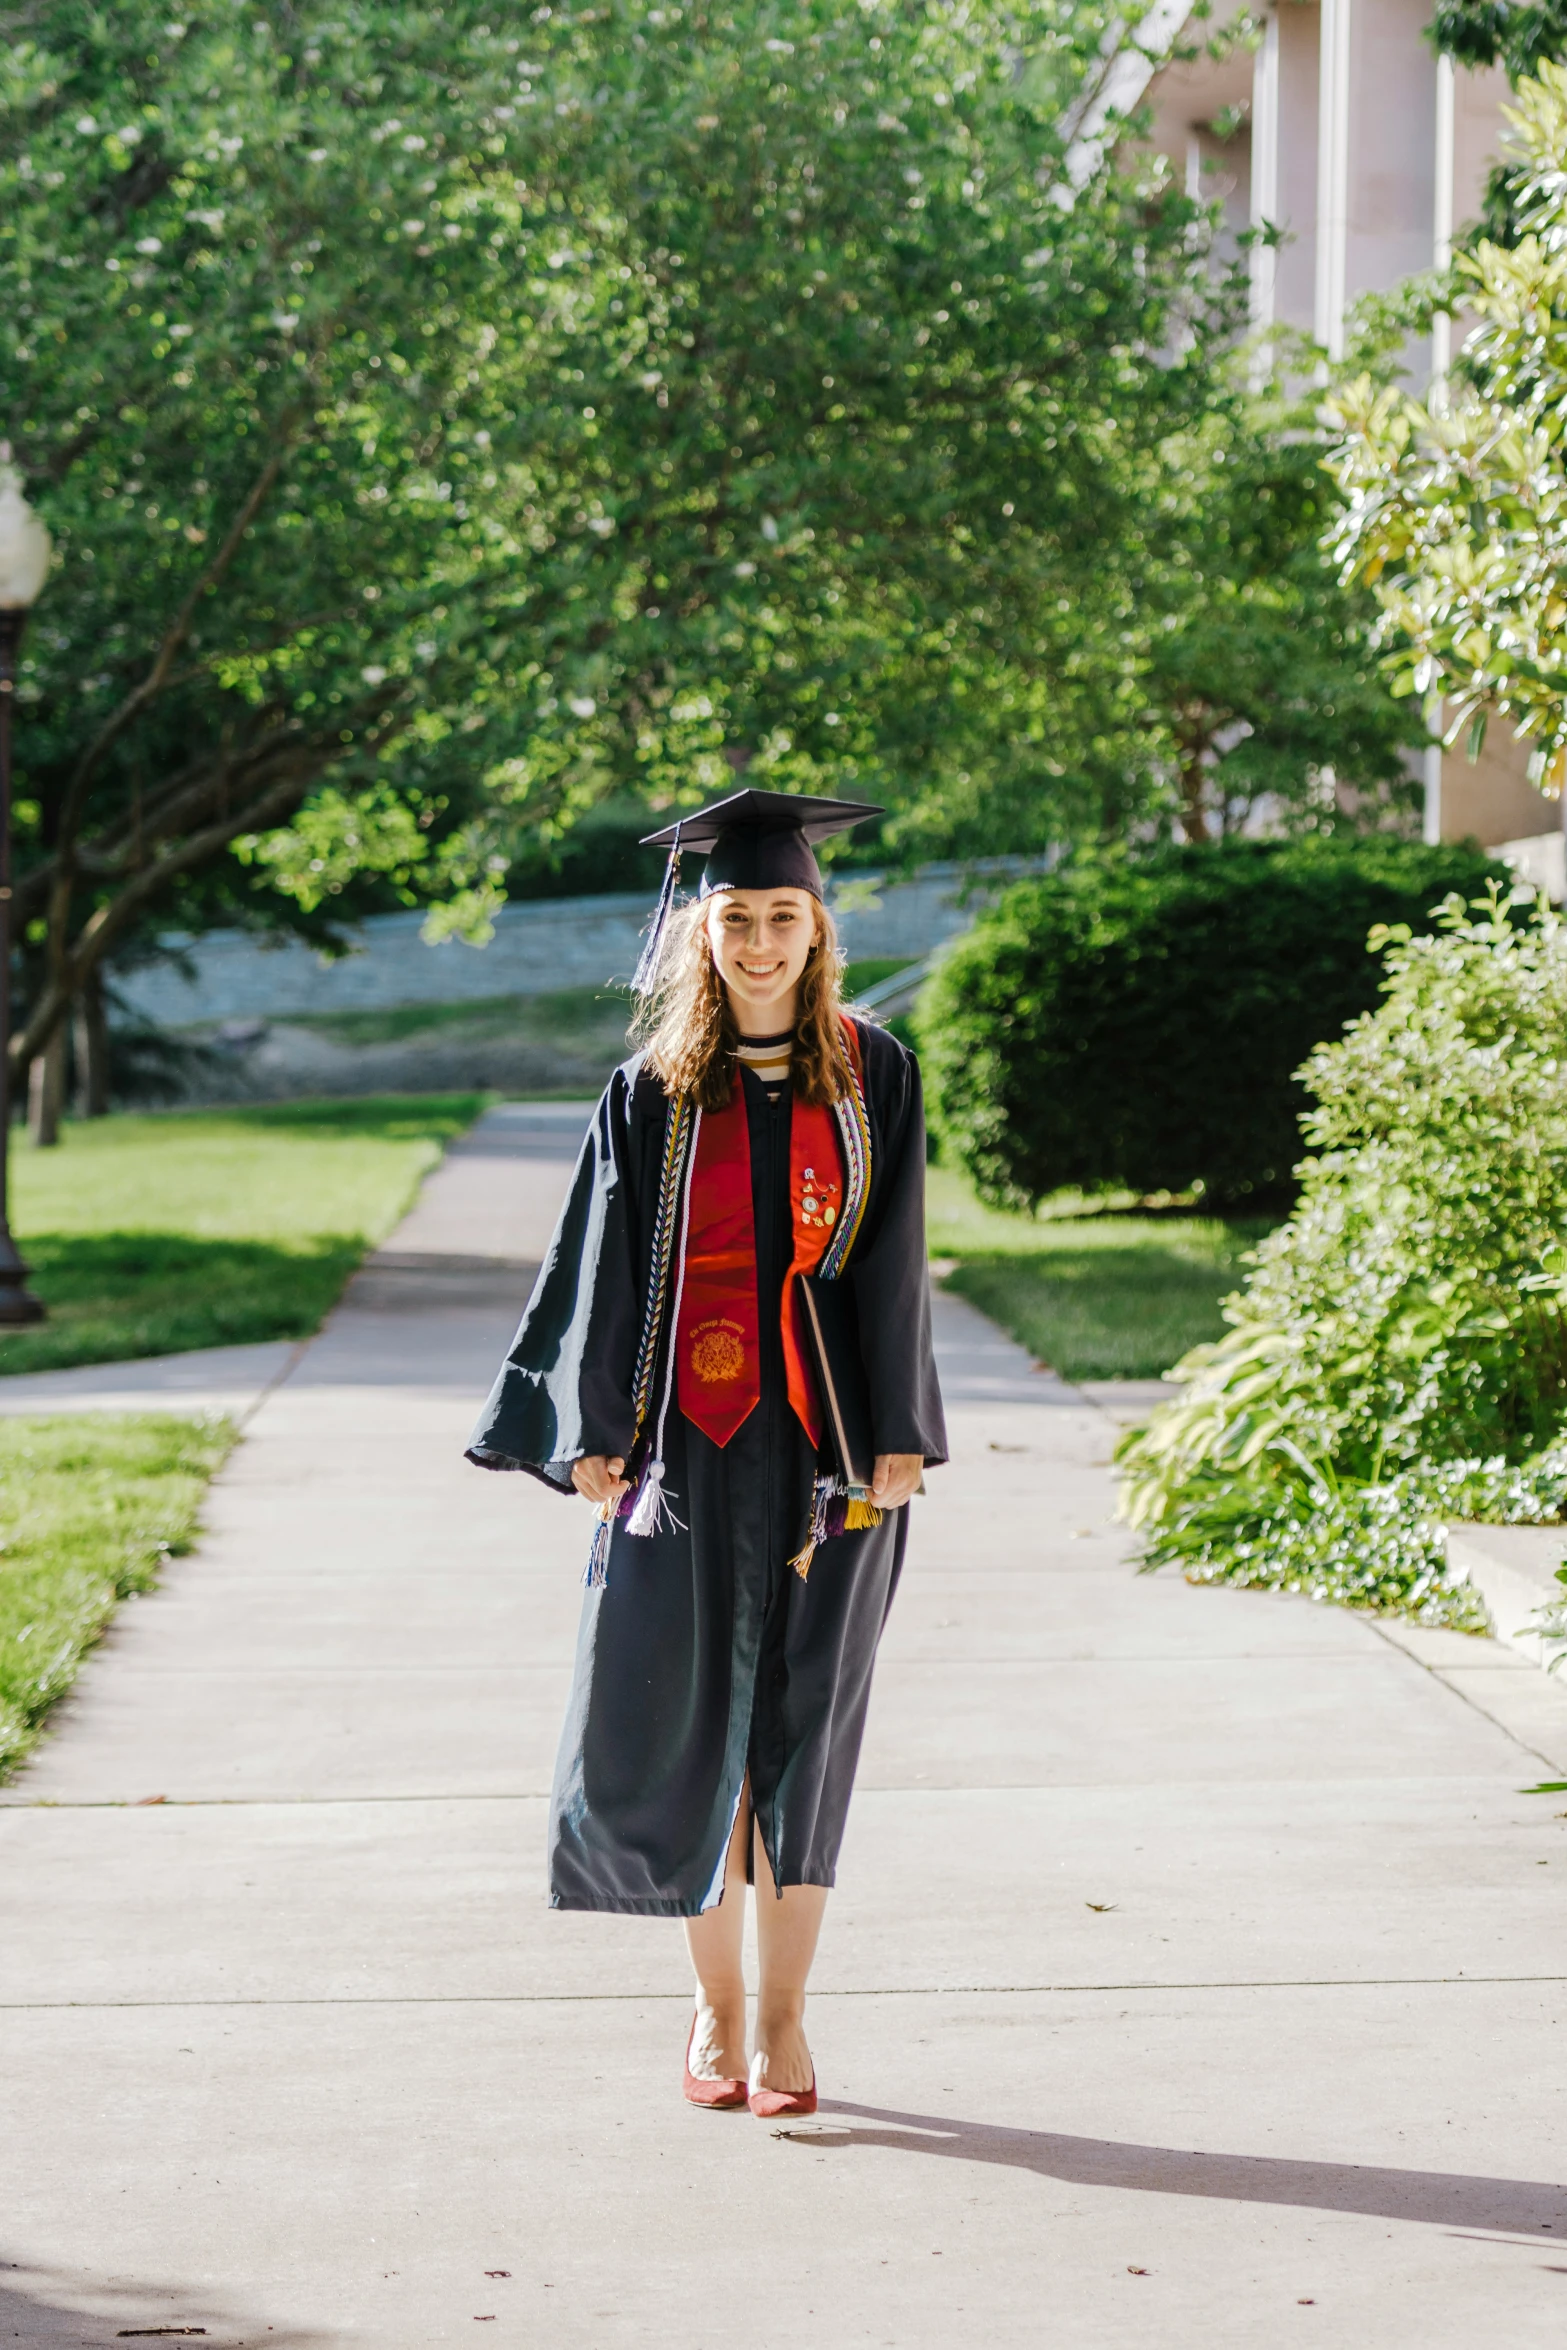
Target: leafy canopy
x,y
1456,513
1500,32
447,424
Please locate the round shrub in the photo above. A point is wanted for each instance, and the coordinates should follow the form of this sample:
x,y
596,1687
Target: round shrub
x,y
1138,1023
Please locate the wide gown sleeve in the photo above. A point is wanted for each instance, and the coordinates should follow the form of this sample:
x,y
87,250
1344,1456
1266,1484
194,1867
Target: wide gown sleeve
x,y
565,1388
888,1267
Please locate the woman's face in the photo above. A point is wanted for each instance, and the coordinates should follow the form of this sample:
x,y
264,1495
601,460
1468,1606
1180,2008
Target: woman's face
x,y
761,940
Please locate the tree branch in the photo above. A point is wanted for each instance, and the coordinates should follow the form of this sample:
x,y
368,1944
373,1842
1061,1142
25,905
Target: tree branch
x,y
109,921
104,854
163,660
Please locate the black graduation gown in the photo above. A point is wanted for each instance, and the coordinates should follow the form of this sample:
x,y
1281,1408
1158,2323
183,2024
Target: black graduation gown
x,y
704,1655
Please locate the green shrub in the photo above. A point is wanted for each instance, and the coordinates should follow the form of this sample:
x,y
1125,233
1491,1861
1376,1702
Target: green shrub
x,y
1398,1355
1138,1024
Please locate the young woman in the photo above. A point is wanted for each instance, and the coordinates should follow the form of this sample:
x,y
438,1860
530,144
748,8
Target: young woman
x,y
762,1146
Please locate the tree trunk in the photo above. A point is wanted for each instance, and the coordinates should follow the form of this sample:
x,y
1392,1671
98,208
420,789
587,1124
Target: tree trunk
x,y
1194,816
46,1091
90,1041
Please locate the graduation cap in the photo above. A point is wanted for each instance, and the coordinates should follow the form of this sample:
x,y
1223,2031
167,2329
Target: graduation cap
x,y
752,840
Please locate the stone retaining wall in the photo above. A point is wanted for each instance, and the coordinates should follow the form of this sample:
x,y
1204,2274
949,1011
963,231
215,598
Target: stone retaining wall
x,y
539,946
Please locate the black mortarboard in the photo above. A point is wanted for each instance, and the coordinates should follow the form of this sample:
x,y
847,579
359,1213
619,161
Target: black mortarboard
x,y
753,840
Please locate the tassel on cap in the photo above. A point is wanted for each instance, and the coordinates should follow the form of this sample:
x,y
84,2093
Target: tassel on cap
x,y
645,976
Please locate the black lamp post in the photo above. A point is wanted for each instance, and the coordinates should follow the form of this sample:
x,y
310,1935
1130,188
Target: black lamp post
x,y
24,566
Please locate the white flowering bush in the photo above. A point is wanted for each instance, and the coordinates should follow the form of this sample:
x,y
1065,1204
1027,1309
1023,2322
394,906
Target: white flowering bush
x,y
1398,1356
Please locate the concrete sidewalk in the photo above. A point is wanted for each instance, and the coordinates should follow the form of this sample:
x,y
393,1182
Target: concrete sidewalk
x,y
1196,1975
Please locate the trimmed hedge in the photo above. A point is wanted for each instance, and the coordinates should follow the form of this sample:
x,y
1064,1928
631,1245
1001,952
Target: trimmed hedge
x,y
1138,1024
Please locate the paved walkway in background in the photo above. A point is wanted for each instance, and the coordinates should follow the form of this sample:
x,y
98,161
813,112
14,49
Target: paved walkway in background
x,y
1197,1974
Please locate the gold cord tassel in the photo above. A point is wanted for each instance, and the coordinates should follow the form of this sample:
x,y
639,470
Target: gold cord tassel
x,y
857,1516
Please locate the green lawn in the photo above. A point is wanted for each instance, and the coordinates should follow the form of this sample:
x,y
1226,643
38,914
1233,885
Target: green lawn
x,y
151,1234
571,1018
1095,1292
90,1507
871,970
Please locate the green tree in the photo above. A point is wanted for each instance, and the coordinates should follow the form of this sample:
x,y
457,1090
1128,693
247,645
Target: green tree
x,y
1217,663
1261,677
1456,513
1498,32
242,359
445,426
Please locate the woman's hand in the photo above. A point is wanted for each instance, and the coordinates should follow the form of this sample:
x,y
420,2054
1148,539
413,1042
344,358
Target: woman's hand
x,y
597,1479
898,1475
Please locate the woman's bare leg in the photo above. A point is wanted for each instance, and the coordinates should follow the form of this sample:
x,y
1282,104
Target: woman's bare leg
x,y
714,1940
786,1932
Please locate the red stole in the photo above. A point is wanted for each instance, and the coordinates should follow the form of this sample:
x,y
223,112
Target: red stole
x,y
718,1332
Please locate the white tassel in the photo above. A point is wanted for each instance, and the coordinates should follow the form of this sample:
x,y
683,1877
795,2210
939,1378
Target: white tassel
x,y
652,1512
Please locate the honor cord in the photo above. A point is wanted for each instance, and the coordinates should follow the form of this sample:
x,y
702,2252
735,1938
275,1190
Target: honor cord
x,y
652,1507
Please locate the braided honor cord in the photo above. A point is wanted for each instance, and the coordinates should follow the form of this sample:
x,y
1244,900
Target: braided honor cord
x,y
855,1128
677,1150
645,1505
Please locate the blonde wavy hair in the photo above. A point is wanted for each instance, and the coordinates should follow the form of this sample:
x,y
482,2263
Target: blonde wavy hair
x,y
690,1029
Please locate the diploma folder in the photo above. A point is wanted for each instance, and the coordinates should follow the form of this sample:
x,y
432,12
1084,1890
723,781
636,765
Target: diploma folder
x,y
832,1338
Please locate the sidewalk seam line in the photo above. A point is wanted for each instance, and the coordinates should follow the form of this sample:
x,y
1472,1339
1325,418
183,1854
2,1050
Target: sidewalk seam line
x,y
1432,1673
878,1991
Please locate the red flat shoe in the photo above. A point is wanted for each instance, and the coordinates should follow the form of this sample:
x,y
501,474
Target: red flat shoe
x,y
721,2096
771,2105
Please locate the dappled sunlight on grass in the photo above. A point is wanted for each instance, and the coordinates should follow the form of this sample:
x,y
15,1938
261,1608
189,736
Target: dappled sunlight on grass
x,y
287,1171
151,1234
1093,1288
115,1295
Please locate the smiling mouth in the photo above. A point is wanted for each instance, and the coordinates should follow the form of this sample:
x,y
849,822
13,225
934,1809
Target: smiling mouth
x,y
760,970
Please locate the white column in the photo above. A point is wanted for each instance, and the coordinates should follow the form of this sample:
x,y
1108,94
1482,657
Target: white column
x,y
1431,765
1265,169
1441,360
1194,166
1442,222
1333,176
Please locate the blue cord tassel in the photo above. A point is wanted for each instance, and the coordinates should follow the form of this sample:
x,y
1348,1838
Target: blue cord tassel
x,y
596,1573
645,976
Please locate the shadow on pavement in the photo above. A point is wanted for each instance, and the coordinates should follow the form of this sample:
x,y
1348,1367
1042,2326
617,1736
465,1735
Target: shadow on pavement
x,y
37,2312
118,1297
1441,2198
